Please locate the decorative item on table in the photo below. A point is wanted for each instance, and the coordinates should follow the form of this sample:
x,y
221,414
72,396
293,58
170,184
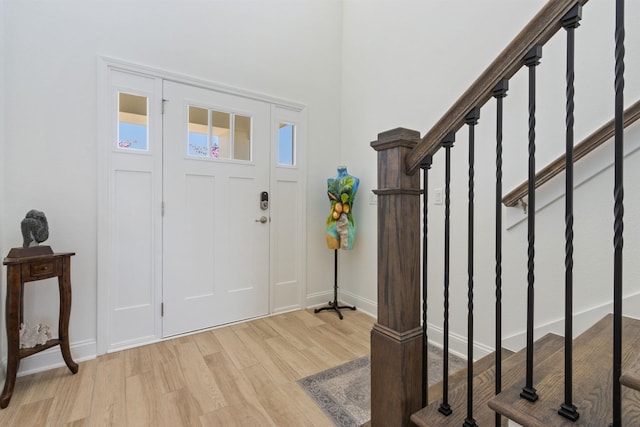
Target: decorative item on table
x,y
33,335
35,230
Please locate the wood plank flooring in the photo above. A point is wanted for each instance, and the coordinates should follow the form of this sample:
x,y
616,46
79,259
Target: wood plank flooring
x,y
239,375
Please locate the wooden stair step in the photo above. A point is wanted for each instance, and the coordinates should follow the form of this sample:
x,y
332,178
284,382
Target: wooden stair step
x,y
631,375
483,389
459,378
592,382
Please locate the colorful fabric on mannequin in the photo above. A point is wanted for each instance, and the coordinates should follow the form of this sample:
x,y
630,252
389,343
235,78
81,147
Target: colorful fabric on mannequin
x,y
341,227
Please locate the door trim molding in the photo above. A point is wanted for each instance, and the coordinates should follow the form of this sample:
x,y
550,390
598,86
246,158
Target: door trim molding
x,y
118,64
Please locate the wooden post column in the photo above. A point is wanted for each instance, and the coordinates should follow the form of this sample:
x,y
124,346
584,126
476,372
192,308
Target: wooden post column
x,y
396,338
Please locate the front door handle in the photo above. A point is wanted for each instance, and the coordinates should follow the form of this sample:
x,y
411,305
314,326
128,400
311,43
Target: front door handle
x,y
262,220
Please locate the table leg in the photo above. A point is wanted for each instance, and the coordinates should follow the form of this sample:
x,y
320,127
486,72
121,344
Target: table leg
x,y
64,284
13,316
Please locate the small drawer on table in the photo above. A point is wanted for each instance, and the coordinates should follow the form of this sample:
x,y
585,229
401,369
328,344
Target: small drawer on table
x,y
41,269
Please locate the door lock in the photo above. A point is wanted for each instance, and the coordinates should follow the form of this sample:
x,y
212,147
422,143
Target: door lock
x,y
264,200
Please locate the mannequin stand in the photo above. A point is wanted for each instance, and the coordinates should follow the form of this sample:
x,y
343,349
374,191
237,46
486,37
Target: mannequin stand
x,y
333,305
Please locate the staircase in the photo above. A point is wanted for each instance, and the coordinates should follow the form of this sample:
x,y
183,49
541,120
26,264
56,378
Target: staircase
x,y
483,384
592,383
553,381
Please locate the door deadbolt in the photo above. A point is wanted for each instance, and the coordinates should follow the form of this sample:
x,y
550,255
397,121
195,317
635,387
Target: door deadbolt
x,y
264,201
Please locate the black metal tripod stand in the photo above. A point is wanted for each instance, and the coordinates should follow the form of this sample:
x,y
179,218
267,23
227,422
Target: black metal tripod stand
x,y
333,305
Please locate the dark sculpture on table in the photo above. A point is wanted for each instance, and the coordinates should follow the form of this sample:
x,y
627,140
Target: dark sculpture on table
x,y
35,228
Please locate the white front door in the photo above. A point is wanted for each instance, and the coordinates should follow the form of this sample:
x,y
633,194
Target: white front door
x,y
216,162
205,261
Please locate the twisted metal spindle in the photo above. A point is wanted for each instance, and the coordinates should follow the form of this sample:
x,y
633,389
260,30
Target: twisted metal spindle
x,y
618,192
531,60
447,144
471,120
570,22
425,165
499,92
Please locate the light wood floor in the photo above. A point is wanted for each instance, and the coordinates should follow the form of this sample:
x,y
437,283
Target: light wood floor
x,y
240,375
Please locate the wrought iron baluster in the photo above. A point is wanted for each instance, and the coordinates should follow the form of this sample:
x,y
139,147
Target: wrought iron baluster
x,y
425,166
570,22
447,144
499,92
618,192
531,60
471,120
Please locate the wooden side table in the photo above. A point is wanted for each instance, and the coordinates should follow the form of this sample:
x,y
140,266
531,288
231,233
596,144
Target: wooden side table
x,y
27,266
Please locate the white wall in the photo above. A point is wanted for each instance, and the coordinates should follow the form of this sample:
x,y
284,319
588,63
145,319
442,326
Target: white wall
x,y
404,64
285,48
2,164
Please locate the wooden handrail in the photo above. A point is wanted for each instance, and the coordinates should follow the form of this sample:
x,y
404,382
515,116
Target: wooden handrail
x,y
587,145
541,28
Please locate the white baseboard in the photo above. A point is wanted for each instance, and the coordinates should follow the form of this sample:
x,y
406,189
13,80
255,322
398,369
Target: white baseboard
x,y
581,322
52,358
457,343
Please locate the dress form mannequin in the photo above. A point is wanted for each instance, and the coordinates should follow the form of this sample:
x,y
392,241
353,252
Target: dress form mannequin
x,y
341,227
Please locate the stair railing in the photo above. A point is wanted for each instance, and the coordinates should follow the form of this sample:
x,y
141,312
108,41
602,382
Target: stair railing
x,y
580,150
531,60
539,30
618,192
499,92
402,152
471,120
570,23
447,144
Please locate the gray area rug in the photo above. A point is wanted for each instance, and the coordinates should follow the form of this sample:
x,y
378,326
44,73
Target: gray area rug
x,y
344,392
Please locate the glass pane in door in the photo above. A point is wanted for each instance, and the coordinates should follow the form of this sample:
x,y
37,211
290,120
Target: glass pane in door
x,y
133,122
286,144
198,131
221,135
242,138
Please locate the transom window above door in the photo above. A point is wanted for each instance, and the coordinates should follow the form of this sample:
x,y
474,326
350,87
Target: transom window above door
x,y
218,134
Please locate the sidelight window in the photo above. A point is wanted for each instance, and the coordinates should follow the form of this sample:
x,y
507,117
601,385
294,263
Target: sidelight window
x,y
133,122
286,144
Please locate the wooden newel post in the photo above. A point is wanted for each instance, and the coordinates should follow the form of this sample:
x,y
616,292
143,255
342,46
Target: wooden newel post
x,y
396,339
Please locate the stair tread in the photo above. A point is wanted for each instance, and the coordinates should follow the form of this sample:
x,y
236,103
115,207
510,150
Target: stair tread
x,y
631,375
592,382
484,389
459,377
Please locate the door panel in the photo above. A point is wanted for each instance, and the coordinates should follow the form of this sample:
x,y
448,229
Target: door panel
x,y
215,251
